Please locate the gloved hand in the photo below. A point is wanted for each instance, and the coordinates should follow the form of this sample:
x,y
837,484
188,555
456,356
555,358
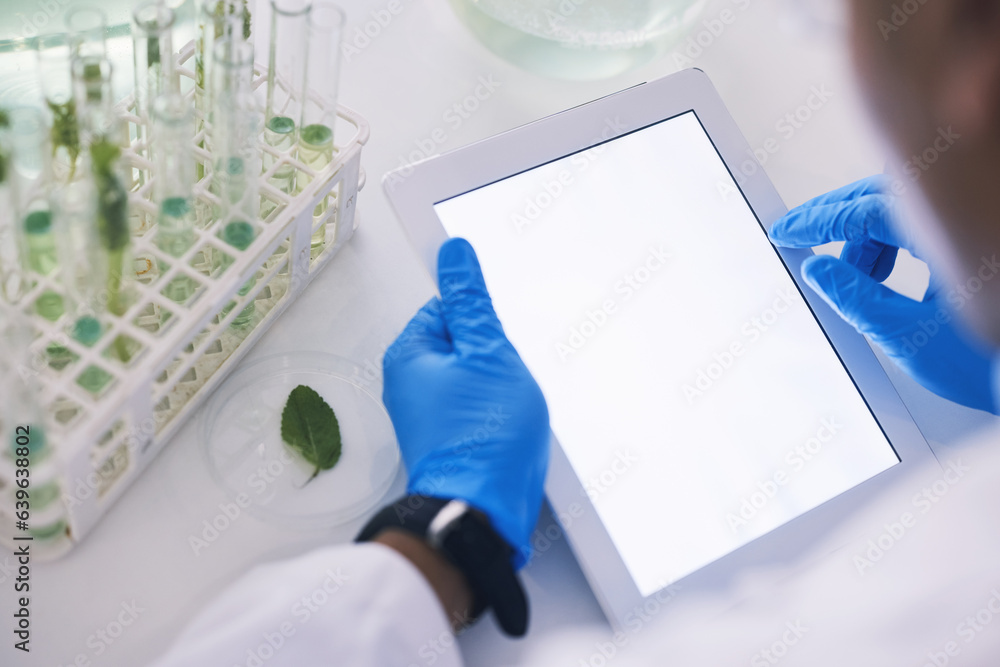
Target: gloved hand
x,y
471,422
922,337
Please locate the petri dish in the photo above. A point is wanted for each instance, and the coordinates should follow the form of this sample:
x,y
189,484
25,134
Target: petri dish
x,y
241,438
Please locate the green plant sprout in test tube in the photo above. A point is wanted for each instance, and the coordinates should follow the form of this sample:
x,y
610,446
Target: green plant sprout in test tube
x,y
92,215
286,85
173,127
319,115
42,257
54,58
97,250
240,235
112,221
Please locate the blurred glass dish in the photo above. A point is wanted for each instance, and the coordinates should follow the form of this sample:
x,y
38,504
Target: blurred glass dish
x,y
579,39
241,436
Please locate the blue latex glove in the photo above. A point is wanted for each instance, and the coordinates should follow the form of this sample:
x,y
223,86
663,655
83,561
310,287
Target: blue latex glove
x,y
922,337
471,421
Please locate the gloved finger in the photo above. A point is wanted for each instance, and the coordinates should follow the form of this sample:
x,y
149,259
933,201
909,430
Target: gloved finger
x,y
425,332
872,185
868,217
871,257
870,307
466,304
934,288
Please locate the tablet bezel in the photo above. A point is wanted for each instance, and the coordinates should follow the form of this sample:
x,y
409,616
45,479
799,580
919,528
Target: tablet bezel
x,y
414,190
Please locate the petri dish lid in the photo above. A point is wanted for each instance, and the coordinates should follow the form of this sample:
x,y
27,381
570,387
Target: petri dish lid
x,y
241,437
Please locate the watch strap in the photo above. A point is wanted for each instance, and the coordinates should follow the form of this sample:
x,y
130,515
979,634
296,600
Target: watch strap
x,y
465,537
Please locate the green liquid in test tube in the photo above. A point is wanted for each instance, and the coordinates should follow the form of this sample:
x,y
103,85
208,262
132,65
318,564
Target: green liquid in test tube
x,y
42,256
94,379
279,133
316,151
235,133
35,441
50,305
240,235
175,226
286,85
87,330
319,115
173,189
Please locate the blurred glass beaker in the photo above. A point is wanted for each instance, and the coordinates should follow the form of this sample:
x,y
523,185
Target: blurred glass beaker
x,y
578,39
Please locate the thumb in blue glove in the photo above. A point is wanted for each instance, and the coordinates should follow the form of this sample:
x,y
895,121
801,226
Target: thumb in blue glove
x,y
922,337
471,421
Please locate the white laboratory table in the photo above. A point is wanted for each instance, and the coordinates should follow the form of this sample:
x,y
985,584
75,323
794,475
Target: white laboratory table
x,y
404,82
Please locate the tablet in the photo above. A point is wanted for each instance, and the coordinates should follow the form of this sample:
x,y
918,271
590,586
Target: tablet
x,y
709,412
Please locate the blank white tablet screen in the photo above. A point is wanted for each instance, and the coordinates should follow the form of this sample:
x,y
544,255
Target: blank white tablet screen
x,y
695,394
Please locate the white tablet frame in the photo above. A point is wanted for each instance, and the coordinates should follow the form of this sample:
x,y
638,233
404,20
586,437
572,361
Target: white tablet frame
x,y
414,190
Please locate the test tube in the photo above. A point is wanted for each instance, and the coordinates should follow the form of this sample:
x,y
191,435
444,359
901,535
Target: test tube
x,y
83,262
216,19
87,30
11,274
185,26
154,58
286,83
98,119
319,113
113,229
173,188
30,160
22,427
95,100
54,55
236,155
240,234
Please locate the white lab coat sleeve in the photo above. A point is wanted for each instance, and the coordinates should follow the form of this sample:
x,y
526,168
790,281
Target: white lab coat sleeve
x,y
359,604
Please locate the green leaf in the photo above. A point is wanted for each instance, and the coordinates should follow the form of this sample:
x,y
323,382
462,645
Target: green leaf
x,y
112,202
65,131
309,427
104,153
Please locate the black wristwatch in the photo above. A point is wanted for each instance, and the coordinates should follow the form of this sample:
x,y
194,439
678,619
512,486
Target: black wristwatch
x,y
466,538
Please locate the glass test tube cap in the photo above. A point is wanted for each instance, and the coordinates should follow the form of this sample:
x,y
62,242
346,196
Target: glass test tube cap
x,y
87,28
319,113
29,143
54,57
287,65
153,51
